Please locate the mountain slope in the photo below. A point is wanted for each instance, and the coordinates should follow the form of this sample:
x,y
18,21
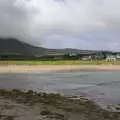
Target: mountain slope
x,y
13,46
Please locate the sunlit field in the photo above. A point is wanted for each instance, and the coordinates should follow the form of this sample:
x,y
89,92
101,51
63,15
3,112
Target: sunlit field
x,y
61,62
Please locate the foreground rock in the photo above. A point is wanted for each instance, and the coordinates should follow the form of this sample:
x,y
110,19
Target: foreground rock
x,y
18,105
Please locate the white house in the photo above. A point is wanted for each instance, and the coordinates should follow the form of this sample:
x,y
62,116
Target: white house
x,y
111,58
118,56
87,58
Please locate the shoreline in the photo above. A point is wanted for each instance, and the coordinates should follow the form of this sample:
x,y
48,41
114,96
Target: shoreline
x,y
56,68
30,105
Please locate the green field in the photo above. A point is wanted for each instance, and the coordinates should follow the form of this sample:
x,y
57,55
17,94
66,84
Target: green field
x,y
61,62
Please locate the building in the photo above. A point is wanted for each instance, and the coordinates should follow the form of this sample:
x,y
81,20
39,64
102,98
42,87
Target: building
x,y
86,58
117,54
111,58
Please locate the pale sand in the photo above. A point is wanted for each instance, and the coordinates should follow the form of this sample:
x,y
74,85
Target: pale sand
x,y
50,68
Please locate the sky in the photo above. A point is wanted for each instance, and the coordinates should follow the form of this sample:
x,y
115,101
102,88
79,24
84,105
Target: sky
x,y
81,24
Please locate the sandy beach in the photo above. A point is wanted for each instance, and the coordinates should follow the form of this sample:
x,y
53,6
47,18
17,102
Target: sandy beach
x,y
50,68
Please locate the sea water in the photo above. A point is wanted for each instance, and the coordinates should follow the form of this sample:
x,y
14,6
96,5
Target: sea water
x,y
101,86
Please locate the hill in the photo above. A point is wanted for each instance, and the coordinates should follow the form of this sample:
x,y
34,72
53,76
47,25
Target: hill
x,y
15,47
11,46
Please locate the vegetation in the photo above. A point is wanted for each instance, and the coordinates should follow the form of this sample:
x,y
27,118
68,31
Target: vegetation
x,y
61,62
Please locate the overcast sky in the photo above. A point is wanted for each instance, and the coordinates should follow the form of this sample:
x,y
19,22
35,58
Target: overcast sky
x,y
83,24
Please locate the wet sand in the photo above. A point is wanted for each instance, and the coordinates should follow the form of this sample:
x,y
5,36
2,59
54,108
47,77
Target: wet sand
x,y
50,68
17,105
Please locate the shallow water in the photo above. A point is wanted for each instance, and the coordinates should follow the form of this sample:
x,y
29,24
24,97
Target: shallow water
x,y
101,86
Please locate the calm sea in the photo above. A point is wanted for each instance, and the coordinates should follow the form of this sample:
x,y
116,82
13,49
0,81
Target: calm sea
x,y
101,86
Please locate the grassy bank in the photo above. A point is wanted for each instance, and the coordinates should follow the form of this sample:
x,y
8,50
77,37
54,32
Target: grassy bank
x,y
52,107
61,62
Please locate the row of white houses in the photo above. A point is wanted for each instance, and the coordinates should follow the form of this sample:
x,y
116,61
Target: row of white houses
x,y
113,57
109,57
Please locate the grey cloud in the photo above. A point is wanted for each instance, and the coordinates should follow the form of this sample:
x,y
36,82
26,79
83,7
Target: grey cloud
x,y
38,21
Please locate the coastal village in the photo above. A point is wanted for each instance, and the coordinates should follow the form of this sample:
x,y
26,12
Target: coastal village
x,y
100,55
24,51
